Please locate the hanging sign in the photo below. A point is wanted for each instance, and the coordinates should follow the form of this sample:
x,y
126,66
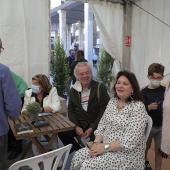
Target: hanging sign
x,y
128,41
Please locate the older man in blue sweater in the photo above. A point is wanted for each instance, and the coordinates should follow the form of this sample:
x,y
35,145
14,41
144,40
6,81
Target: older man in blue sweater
x,y
10,105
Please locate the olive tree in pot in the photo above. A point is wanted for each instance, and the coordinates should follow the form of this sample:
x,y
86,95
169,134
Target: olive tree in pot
x,y
60,69
33,109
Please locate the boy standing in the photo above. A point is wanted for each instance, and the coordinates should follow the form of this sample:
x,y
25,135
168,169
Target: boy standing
x,y
154,96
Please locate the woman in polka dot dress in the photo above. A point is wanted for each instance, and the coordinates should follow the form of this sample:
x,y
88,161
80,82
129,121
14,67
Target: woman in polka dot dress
x,y
120,137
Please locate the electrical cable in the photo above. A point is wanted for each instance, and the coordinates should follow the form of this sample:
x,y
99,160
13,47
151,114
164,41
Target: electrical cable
x,y
148,13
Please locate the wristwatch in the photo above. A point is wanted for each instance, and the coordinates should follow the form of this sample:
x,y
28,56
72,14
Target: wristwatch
x,y
107,147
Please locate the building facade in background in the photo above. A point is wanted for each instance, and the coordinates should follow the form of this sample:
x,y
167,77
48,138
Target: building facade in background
x,y
76,31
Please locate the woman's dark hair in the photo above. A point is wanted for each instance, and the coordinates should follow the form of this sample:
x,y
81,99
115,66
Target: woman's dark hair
x,y
137,95
80,55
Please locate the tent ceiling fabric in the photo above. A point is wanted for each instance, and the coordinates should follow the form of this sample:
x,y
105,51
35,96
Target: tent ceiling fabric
x,y
75,10
114,1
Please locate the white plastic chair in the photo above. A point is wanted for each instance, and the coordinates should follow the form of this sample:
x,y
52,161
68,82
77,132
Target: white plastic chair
x,y
149,127
50,160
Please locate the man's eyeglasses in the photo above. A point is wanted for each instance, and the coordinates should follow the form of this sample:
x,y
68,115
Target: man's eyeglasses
x,y
1,49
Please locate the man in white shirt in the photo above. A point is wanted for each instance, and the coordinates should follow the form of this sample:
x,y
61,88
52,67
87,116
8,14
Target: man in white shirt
x,y
94,58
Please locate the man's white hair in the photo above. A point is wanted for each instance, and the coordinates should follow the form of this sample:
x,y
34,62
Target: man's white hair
x,y
80,64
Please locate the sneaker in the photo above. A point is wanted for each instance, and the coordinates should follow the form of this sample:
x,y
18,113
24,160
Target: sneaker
x,y
147,166
60,164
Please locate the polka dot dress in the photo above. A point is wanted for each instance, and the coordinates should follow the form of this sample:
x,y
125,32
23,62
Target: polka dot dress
x,y
128,127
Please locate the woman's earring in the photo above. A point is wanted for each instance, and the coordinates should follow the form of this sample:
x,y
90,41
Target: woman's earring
x,y
131,95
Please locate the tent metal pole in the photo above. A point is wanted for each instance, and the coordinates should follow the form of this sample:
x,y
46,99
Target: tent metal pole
x,y
126,59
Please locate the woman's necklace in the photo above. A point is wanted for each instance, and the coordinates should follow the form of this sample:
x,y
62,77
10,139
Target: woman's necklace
x,y
120,106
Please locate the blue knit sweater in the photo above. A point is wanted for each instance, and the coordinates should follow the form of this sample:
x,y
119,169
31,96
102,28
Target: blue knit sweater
x,y
10,102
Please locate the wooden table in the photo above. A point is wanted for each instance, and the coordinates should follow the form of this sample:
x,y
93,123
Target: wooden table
x,y
58,123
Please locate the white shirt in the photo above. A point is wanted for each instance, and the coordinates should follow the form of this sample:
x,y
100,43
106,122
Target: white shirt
x,y
52,100
95,57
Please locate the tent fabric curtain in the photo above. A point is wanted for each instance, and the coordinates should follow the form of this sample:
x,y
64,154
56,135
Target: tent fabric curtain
x,y
25,33
110,24
150,38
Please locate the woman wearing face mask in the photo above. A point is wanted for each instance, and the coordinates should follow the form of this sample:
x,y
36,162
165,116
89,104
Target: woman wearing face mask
x,y
154,97
42,92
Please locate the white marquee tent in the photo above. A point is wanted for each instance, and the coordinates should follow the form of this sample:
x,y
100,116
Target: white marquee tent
x,y
150,33
25,33
150,37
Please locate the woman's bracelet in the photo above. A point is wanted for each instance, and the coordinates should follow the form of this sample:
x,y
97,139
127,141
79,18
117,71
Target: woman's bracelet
x,y
149,108
97,141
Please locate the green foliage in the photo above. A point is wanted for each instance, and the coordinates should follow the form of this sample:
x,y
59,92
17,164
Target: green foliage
x,y
104,69
33,108
60,69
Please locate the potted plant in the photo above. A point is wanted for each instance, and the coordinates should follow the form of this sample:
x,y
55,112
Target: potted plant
x,y
33,109
60,69
104,69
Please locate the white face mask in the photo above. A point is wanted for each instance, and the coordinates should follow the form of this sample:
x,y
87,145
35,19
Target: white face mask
x,y
155,83
35,89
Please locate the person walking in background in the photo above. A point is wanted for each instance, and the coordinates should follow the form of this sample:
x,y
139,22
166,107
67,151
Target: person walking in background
x,y
79,58
165,144
85,108
10,105
120,136
70,59
15,146
154,97
94,58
